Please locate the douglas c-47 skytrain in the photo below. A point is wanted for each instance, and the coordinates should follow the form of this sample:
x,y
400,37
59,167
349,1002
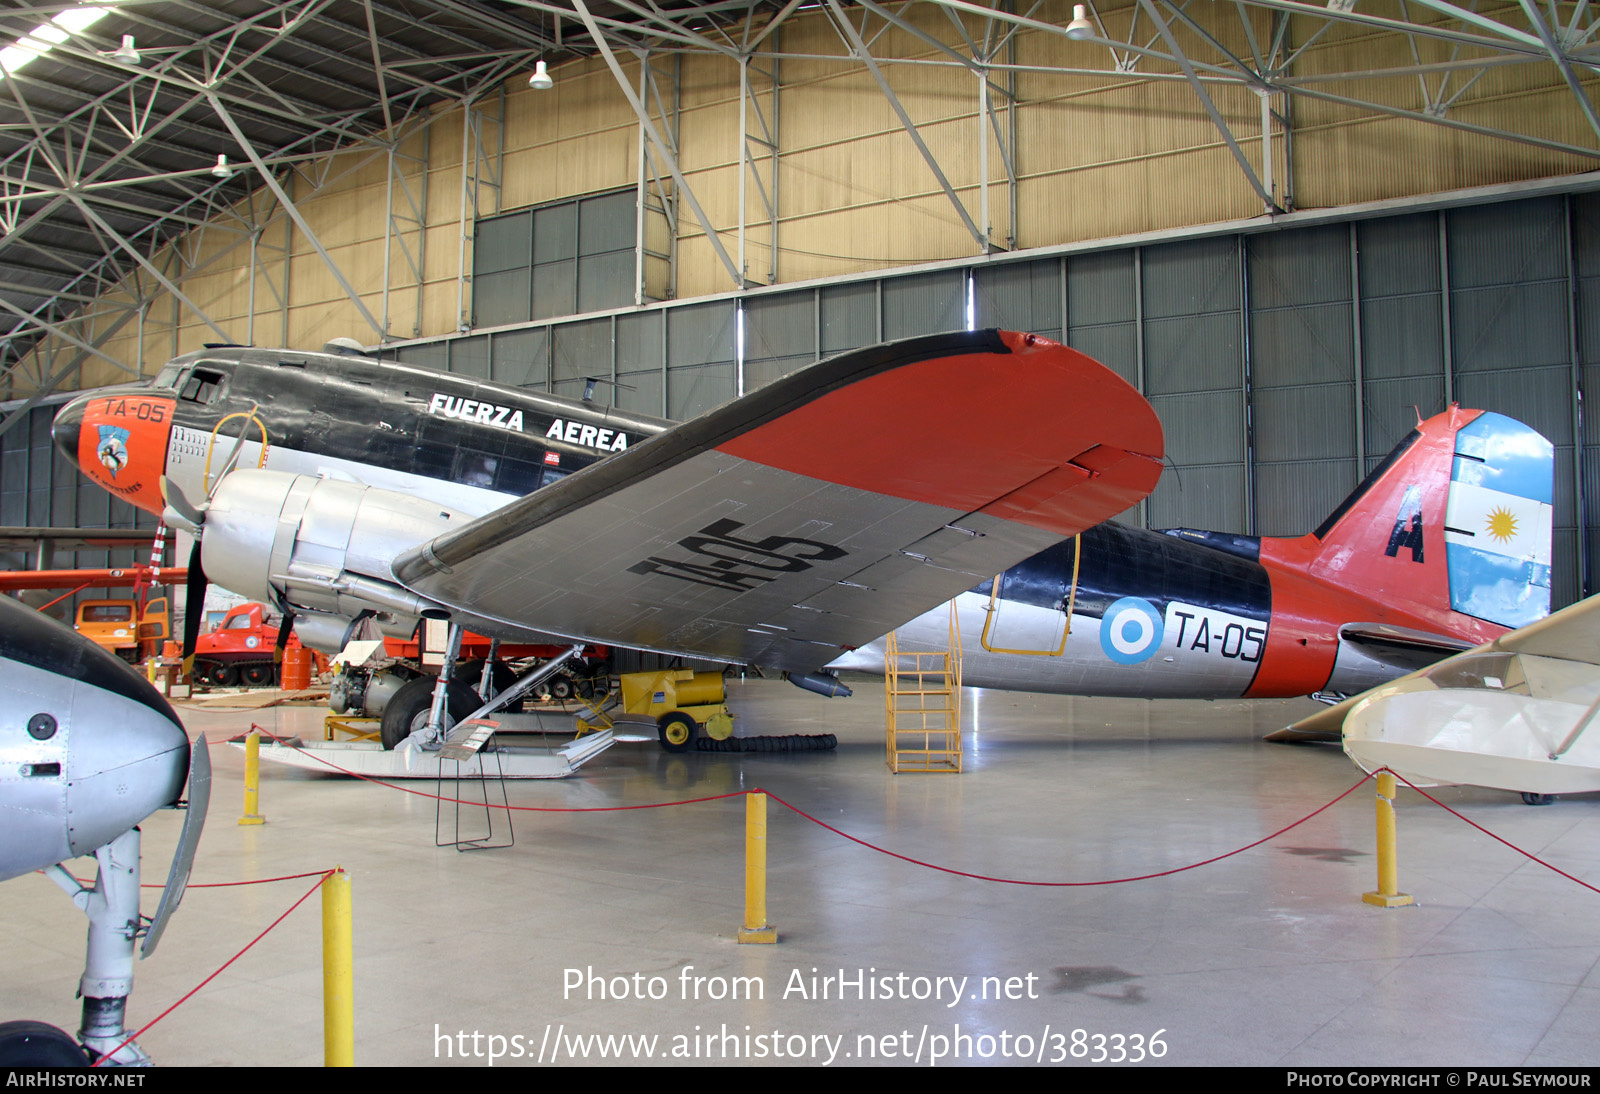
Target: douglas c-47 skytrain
x,y
792,528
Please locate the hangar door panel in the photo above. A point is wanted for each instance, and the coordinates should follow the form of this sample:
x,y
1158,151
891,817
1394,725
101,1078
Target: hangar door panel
x,y
1302,368
1194,376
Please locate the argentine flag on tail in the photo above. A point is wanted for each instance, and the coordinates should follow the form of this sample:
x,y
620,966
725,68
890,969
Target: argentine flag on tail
x,y
1498,521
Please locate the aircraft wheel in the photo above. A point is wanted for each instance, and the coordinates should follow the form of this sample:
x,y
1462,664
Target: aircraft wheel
x,y
409,707
1537,799
677,731
35,1044
257,675
219,675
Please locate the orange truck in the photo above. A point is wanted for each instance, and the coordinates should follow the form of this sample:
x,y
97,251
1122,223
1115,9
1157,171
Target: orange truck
x,y
116,625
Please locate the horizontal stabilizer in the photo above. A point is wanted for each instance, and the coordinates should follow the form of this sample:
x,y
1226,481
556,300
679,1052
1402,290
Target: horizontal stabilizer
x,y
1400,648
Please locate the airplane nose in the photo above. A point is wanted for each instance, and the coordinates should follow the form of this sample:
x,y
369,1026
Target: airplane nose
x,y
118,437
88,748
127,760
64,431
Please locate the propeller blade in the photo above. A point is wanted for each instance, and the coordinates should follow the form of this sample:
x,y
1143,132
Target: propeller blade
x,y
284,630
194,609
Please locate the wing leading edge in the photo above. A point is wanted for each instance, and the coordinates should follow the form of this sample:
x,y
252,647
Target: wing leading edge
x,y
817,513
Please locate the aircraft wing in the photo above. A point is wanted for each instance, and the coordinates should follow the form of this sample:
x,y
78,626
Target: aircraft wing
x,y
1572,634
815,514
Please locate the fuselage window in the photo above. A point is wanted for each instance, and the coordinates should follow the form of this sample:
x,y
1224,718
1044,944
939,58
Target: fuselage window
x,y
475,468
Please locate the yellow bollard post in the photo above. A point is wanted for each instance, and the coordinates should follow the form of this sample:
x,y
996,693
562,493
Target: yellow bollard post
x,y
252,779
756,928
338,974
1388,894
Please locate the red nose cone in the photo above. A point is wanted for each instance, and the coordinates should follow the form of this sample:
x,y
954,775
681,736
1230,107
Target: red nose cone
x,y
120,441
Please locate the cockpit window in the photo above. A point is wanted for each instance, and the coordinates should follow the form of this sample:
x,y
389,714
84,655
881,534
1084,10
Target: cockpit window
x,y
202,386
168,376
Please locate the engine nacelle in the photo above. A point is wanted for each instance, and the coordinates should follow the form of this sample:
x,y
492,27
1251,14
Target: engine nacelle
x,y
322,546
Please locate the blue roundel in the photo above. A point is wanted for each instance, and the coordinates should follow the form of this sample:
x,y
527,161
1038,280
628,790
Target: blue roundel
x,y
1130,630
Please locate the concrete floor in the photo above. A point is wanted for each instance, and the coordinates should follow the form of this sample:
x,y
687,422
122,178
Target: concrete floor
x,y
1268,957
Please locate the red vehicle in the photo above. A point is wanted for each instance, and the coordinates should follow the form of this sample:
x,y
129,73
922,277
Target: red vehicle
x,y
241,649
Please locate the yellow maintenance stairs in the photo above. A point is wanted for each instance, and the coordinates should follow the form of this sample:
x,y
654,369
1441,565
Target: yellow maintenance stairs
x,y
922,691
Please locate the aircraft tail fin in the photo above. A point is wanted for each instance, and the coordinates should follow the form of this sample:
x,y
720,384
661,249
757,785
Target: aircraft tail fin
x,y
1459,516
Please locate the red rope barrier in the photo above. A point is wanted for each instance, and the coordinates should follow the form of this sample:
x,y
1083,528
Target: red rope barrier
x,y
829,827
215,884
324,876
1498,839
1066,884
906,858
256,881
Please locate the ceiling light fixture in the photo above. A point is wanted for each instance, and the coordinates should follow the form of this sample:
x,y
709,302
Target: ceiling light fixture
x,y
222,170
125,53
541,78
1080,27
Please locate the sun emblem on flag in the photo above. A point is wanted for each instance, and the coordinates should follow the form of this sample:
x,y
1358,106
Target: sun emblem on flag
x,y
1502,525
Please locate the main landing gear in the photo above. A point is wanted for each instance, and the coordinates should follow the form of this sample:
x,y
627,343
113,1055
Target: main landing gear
x,y
449,701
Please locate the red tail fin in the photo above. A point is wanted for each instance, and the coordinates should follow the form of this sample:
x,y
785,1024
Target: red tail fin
x,y
1455,522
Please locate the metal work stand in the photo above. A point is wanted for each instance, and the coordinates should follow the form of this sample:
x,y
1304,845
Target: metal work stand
x,y
469,741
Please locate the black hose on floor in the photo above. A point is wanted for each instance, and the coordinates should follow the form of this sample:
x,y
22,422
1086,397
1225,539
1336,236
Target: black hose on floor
x,y
794,742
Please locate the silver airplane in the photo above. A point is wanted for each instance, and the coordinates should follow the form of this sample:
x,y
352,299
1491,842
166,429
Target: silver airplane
x,y
88,749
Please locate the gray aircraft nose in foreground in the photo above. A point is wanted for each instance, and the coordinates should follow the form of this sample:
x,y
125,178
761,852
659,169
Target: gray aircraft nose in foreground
x,y
87,748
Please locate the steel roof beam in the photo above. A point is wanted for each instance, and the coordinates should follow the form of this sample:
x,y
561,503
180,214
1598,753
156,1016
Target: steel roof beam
x,y
289,207
860,48
666,154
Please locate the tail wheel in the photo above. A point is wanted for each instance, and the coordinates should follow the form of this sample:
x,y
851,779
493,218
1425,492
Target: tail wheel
x,y
408,709
501,675
677,731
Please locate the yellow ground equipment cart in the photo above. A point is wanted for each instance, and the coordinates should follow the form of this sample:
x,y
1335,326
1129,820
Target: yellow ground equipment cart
x,y
683,704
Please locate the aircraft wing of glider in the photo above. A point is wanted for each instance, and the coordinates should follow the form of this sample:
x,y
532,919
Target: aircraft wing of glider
x,y
1514,713
816,513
